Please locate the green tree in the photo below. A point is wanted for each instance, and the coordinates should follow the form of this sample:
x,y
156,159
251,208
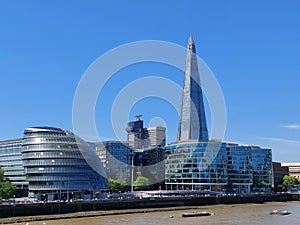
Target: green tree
x,y
1,175
116,185
7,189
289,181
229,186
141,183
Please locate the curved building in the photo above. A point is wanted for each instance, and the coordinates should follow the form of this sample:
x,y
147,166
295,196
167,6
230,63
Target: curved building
x,y
60,166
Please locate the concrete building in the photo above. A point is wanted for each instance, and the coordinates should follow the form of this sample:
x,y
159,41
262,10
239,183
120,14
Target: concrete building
x,y
154,136
139,137
294,169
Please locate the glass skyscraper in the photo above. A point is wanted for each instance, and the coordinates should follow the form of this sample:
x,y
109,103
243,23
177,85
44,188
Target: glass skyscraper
x,y
195,162
192,124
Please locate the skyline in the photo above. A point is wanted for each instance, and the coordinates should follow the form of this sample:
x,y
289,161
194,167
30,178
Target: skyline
x,y
252,48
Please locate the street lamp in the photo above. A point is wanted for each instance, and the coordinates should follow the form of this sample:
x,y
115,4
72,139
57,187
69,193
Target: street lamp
x,y
132,160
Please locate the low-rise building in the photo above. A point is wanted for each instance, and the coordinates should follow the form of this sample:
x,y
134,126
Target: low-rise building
x,y
11,163
294,169
279,171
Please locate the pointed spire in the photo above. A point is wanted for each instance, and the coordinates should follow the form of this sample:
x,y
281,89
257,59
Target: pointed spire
x,y
191,44
192,124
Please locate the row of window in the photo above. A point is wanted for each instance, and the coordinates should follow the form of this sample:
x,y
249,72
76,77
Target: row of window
x,y
54,155
56,162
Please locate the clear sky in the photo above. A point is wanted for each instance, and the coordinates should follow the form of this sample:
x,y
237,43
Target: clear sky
x,y
253,48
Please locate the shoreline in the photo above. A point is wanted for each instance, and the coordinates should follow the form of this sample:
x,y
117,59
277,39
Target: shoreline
x,y
95,214
53,211
18,220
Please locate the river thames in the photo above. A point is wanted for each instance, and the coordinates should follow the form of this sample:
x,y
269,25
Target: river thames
x,y
246,214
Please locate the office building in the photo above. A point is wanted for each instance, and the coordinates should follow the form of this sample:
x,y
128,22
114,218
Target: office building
x,y
279,172
150,163
60,166
190,167
154,136
294,169
139,137
11,163
196,163
116,159
148,148
192,124
262,167
135,133
239,168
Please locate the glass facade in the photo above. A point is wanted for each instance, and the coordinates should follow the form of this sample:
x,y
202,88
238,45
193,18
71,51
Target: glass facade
x,y
150,163
262,167
218,167
239,168
59,165
192,123
196,166
116,159
11,162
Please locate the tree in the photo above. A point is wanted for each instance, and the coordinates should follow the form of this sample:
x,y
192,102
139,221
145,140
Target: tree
x,y
116,185
229,186
141,183
7,189
1,175
289,181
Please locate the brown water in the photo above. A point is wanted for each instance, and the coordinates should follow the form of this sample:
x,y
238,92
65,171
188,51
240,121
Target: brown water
x,y
246,214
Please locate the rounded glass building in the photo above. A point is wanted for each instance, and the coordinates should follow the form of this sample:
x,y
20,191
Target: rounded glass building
x,y
60,165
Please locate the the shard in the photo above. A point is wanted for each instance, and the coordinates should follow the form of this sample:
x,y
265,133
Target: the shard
x,y
192,124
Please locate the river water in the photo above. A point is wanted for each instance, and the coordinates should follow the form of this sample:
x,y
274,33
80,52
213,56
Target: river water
x,y
244,214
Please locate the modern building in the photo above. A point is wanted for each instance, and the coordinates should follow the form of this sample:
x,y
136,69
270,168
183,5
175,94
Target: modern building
x,y
148,151
294,169
139,137
195,165
116,159
150,163
279,172
135,133
262,167
11,162
239,168
60,165
192,124
154,136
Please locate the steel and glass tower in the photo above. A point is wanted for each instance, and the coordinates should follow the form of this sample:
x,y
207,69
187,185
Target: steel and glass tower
x,y
192,124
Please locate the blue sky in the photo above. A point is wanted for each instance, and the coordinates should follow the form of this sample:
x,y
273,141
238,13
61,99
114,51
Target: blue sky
x,y
253,48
